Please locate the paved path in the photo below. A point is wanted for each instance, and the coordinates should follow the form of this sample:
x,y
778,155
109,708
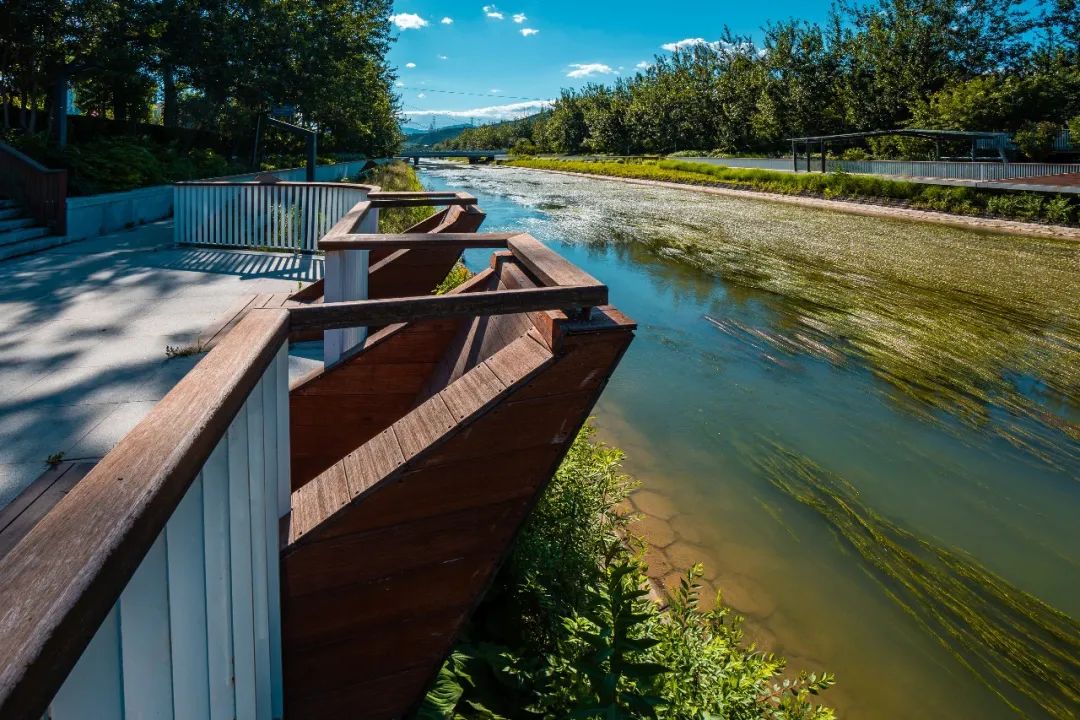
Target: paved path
x,y
83,331
993,225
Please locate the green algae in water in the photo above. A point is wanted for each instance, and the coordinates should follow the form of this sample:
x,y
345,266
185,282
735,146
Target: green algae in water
x,y
1024,650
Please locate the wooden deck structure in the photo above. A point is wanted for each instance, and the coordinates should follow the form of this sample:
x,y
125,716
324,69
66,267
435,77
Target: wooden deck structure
x,y
252,550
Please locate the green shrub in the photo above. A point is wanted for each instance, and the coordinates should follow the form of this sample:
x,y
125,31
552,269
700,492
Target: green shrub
x,y
567,629
854,153
1036,140
1059,210
397,176
1074,132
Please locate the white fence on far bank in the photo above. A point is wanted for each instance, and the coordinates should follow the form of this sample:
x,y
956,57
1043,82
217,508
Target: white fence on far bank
x,y
952,170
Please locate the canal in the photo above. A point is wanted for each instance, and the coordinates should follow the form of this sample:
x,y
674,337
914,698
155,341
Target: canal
x,y
868,430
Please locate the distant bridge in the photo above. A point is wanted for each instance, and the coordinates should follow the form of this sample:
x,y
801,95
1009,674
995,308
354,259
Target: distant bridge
x,y
473,156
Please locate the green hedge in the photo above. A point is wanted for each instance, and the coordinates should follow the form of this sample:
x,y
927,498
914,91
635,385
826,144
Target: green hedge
x,y
1038,207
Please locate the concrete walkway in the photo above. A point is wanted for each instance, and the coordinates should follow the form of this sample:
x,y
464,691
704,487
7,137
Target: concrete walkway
x,y
83,332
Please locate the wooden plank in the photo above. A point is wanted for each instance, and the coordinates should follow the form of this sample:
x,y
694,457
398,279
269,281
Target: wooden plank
x,y
426,424
232,316
144,638
546,265
472,392
421,201
243,607
184,537
218,568
380,697
442,519
319,499
104,526
96,681
385,312
405,241
27,509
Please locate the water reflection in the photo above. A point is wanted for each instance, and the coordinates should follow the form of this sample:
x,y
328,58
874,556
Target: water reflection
x,y
934,371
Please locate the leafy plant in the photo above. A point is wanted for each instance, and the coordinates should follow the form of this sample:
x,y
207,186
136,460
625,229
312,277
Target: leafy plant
x,y
1036,140
568,631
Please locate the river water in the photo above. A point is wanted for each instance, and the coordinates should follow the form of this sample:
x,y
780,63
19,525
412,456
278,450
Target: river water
x,y
868,430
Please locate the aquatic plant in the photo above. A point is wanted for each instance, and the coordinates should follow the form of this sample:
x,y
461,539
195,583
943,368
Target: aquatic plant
x,y
832,185
1023,649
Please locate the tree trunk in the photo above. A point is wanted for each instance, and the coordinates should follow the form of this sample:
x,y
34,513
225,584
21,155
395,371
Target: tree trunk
x,y
170,109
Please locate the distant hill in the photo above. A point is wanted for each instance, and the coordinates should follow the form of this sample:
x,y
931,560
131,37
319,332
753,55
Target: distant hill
x,y
423,138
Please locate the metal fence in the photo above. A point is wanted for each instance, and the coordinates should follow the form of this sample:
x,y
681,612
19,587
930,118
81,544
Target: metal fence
x,y
952,170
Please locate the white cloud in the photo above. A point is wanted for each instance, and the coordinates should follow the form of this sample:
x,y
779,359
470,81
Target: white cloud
x,y
726,48
683,44
493,90
491,112
399,84
443,57
581,70
421,96
408,21
520,18
493,12
410,65
529,31
447,21
643,65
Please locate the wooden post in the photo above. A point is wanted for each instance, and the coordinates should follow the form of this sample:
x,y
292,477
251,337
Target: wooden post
x,y
312,142
822,157
794,157
346,273
808,153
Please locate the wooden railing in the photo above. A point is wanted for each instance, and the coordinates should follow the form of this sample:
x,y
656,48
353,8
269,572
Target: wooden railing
x,y
346,268
41,190
152,587
270,215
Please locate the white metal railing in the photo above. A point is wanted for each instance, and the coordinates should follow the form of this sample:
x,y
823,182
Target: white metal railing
x,y
952,170
196,632
271,215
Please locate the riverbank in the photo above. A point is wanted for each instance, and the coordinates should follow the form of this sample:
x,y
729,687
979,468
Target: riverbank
x,y
870,207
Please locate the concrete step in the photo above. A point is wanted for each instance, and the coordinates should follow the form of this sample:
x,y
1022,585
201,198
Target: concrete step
x,y
36,244
12,237
10,213
16,224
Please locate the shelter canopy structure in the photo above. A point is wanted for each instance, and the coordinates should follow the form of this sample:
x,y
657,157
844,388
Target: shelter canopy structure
x,y
978,138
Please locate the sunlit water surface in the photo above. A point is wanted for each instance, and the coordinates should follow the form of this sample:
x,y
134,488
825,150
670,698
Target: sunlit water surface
x,y
933,372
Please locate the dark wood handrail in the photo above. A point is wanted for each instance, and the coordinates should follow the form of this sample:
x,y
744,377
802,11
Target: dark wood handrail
x,y
408,241
59,583
348,223
331,316
41,189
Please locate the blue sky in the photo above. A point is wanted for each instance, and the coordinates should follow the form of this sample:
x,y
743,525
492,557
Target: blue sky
x,y
461,60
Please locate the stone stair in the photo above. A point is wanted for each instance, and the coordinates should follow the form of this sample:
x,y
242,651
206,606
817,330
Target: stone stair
x,y
19,235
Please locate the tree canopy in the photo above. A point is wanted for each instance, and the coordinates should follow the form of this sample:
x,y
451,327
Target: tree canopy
x,y
206,64
875,64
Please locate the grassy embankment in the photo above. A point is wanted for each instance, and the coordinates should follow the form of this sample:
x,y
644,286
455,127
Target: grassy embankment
x,y
1030,207
401,177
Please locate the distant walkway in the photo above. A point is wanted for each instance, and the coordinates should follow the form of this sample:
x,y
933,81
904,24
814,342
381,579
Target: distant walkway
x,y
993,225
83,332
